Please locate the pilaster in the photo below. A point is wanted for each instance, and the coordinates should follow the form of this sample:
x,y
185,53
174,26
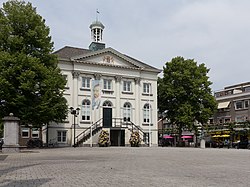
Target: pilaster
x,y
118,93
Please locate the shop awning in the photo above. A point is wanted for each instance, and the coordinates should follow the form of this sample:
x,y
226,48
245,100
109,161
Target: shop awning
x,y
223,104
167,137
225,135
221,136
187,137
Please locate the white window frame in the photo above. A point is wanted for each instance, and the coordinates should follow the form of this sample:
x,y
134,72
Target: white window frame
x,y
240,118
237,103
127,111
146,88
244,104
25,129
146,113
35,131
127,86
61,136
86,82
107,84
107,104
86,110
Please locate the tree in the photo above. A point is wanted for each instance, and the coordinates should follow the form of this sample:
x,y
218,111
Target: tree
x,y
31,83
184,93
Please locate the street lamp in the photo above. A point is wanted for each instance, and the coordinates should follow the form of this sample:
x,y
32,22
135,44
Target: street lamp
x,y
74,112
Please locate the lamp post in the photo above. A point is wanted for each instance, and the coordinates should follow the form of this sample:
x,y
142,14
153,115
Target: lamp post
x,y
75,113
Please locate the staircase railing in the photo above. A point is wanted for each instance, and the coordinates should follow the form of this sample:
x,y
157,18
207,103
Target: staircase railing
x,y
83,136
119,122
140,130
116,122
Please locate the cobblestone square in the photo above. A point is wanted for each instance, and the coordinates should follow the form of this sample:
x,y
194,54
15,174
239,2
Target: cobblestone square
x,y
126,166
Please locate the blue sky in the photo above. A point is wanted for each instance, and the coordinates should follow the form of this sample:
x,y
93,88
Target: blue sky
x,y
214,32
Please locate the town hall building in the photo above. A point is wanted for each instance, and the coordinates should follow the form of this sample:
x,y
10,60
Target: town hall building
x,y
105,90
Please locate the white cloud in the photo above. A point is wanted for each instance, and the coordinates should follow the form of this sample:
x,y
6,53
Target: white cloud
x,y
214,32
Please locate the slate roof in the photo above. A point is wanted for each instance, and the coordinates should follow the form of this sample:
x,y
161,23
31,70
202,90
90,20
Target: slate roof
x,y
69,52
78,54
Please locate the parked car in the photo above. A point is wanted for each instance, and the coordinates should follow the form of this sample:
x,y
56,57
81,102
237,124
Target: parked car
x,y
242,144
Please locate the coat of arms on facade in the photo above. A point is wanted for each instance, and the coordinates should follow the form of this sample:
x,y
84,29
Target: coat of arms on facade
x,y
108,59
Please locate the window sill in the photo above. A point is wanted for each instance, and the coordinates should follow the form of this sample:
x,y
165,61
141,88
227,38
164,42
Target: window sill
x,y
85,89
147,124
147,94
130,93
107,91
241,109
85,122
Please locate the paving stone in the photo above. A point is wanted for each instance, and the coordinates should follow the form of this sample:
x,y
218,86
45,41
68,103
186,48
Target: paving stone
x,y
126,166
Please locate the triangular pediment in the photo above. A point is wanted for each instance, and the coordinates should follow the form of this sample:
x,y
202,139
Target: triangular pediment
x,y
110,57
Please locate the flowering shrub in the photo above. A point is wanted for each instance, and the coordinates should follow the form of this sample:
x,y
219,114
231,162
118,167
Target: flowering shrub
x,y
135,139
103,140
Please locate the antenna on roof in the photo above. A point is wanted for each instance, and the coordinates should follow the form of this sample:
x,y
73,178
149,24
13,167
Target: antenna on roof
x,y
97,12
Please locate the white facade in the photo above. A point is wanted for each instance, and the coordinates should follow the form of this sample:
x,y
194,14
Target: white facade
x,y
128,86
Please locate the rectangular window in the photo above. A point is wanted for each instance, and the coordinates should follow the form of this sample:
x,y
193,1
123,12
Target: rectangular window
x,y
127,86
211,121
61,136
85,82
146,88
25,132
241,104
227,120
246,103
240,118
238,105
35,133
247,89
107,84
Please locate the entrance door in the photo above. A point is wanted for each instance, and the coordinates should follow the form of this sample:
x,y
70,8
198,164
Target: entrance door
x,y
117,137
107,117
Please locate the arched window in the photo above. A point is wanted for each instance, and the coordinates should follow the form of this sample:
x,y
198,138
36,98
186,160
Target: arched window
x,y
107,104
146,113
86,110
127,111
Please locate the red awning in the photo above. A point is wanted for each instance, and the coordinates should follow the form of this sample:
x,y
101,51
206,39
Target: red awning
x,y
186,137
167,137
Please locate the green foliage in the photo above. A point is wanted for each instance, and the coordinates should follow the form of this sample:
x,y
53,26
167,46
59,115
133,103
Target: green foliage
x,y
185,94
103,140
135,139
30,80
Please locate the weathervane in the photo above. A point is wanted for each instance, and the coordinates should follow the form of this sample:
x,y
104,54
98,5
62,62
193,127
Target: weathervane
x,y
97,12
